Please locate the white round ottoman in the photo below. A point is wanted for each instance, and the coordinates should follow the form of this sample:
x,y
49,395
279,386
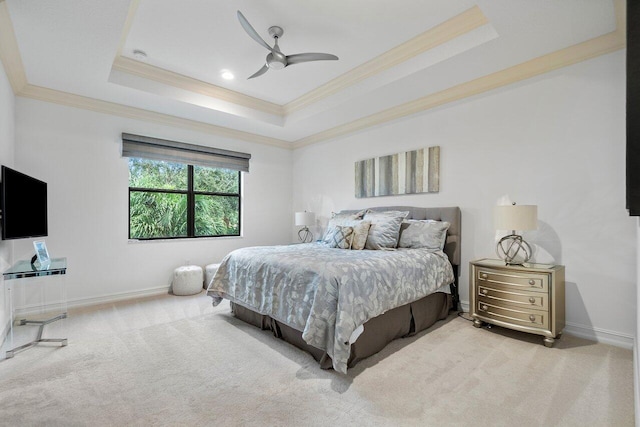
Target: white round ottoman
x,y
209,272
187,280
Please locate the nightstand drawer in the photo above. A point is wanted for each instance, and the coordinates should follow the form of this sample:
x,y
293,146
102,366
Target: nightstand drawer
x,y
531,318
527,297
519,299
512,280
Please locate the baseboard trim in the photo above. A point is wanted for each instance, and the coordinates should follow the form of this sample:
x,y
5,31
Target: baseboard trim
x,y
87,302
589,332
121,296
600,335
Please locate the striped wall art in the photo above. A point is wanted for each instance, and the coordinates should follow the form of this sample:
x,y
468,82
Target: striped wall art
x,y
410,172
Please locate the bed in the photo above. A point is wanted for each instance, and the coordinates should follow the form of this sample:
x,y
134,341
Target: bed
x,y
344,305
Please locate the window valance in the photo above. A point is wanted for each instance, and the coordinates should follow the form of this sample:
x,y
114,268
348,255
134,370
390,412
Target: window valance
x,y
179,152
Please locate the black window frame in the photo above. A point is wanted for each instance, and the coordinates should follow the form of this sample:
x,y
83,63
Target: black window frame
x,y
191,194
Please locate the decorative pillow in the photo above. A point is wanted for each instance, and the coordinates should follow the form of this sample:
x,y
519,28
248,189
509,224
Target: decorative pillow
x,y
428,234
385,229
348,214
340,237
360,231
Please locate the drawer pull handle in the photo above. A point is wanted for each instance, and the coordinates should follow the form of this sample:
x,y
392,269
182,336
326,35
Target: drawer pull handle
x,y
484,291
484,307
483,276
532,317
532,282
532,300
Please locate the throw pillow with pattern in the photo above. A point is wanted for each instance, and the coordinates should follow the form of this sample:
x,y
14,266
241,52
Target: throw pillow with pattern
x,y
360,233
340,237
360,230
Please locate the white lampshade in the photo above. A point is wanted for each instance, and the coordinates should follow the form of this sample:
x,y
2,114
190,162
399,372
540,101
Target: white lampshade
x,y
516,217
305,218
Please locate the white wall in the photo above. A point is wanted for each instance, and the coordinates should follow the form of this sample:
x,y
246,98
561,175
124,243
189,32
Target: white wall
x,y
7,114
636,348
556,141
77,153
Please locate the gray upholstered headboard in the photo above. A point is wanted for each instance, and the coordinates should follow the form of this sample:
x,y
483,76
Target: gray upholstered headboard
x,y
449,214
451,246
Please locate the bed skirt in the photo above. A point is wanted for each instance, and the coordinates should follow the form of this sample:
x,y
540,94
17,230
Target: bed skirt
x,y
399,322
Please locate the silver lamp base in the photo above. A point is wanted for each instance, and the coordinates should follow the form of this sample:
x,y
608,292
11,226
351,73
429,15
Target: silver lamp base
x,y
305,235
513,250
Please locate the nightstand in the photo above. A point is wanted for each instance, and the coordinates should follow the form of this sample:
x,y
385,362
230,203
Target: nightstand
x,y
527,298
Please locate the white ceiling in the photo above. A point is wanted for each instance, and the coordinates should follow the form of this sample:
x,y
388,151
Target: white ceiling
x,y
211,39
74,46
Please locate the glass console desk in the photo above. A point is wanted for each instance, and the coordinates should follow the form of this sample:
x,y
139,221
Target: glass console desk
x,y
25,270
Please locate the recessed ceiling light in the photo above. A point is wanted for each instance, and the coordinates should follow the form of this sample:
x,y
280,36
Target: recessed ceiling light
x,y
140,55
227,75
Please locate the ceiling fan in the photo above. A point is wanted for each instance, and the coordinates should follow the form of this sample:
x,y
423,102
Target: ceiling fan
x,y
276,60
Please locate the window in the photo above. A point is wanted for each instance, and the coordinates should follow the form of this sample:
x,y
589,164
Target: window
x,y
179,190
169,200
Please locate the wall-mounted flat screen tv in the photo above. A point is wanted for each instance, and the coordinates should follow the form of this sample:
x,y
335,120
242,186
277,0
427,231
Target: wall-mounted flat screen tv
x,y
23,200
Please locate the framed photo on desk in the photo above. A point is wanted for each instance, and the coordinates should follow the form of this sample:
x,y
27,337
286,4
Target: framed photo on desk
x,y
41,252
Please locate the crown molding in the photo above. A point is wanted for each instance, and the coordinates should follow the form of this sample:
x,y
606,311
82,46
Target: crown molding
x,y
131,14
12,62
11,59
589,49
160,75
9,52
460,24
71,100
166,77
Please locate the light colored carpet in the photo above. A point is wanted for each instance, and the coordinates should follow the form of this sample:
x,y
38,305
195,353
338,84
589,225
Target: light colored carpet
x,y
178,361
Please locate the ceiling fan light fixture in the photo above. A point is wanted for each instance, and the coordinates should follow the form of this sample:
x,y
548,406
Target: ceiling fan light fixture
x,y
276,63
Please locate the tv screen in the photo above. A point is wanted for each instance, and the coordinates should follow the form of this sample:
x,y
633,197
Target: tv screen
x,y
24,205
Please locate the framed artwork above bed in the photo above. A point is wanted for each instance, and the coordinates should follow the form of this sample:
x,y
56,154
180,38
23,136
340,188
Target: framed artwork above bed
x,y
409,172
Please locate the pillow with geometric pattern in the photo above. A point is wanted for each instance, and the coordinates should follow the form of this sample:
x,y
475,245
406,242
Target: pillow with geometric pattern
x,y
340,236
360,230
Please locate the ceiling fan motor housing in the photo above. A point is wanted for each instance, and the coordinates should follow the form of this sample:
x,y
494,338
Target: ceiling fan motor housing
x,y
276,61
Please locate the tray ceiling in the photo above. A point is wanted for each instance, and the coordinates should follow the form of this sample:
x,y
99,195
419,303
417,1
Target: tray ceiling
x,y
395,58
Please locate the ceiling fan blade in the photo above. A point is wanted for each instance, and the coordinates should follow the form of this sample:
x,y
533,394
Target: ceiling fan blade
x,y
252,33
306,57
260,72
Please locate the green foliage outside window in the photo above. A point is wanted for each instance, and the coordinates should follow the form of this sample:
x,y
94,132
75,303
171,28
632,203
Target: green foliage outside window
x,y
212,180
159,197
156,174
217,216
155,215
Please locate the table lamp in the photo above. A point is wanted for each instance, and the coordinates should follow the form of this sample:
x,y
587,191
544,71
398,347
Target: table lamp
x,y
305,219
512,248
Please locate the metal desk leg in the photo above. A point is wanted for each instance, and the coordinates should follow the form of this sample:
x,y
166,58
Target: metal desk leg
x,y
39,339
